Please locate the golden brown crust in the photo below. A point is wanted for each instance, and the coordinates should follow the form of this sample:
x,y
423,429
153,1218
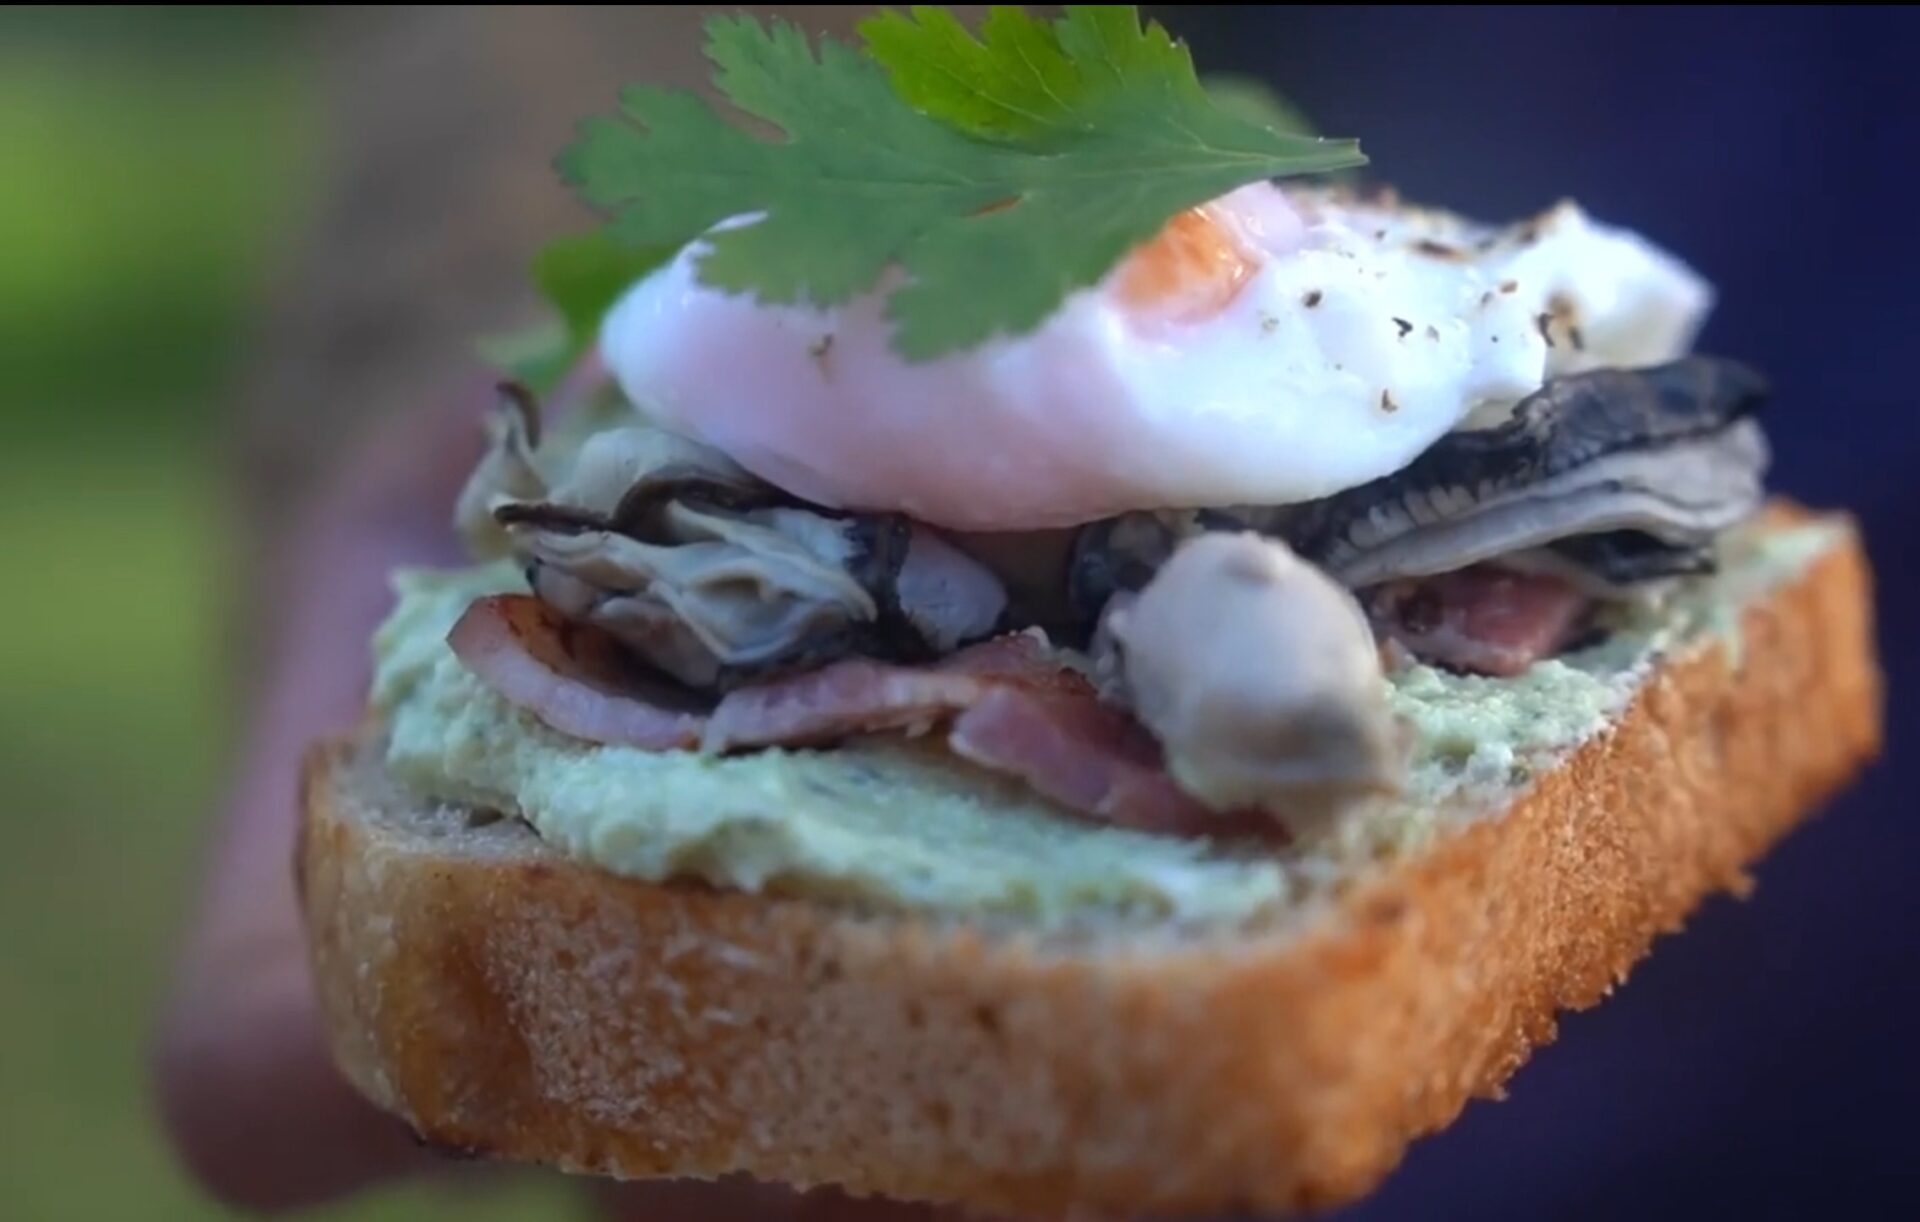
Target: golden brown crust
x,y
512,1004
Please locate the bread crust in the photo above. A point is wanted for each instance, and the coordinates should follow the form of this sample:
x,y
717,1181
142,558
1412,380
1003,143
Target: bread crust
x,y
512,1004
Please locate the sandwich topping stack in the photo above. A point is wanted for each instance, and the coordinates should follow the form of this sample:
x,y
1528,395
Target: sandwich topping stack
x,y
1253,542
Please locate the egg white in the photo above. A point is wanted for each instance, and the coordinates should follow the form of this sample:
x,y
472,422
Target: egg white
x,y
1364,331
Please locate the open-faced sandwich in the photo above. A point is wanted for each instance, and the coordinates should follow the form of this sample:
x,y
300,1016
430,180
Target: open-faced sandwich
x,y
1048,659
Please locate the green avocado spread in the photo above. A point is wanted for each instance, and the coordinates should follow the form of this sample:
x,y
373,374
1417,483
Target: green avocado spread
x,y
895,823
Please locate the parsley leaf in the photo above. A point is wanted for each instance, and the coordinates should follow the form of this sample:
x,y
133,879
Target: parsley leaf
x,y
995,215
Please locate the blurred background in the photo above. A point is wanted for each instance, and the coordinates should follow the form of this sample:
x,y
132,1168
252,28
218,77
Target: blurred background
x,y
227,235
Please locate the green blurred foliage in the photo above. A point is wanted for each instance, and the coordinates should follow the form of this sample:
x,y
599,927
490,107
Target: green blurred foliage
x,y
150,160
142,177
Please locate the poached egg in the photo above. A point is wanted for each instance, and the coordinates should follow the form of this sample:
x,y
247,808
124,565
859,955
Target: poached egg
x,y
1271,347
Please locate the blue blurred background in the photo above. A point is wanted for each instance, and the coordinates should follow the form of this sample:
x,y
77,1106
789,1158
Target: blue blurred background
x,y
175,184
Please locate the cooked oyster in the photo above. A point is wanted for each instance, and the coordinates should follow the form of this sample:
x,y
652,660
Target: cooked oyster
x,y
1616,564
1670,452
1120,555
507,470
1613,478
710,574
1261,680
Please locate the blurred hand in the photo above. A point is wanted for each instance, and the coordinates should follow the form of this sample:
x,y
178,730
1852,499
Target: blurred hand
x,y
249,1094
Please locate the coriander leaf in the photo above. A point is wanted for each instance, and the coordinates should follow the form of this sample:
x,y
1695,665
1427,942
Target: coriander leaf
x,y
1013,81
991,234
1016,79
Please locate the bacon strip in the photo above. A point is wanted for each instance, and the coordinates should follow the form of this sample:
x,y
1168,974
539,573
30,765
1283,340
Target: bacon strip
x,y
573,677
1014,709
1484,620
853,696
859,695
1089,758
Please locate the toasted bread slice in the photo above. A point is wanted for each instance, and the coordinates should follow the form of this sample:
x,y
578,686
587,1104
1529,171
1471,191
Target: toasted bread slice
x,y
510,1002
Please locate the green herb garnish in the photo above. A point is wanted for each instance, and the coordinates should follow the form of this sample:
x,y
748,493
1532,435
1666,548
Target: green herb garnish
x,y
1000,173
580,277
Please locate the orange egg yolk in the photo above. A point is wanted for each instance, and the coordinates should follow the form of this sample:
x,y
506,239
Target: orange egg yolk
x,y
1188,272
